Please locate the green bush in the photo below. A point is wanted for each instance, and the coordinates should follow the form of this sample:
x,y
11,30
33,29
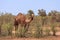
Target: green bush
x,y
53,29
7,29
39,31
47,31
20,32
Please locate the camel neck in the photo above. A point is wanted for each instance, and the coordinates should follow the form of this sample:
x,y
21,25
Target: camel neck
x,y
31,18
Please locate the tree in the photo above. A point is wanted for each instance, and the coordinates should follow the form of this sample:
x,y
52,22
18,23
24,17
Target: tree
x,y
42,12
30,12
52,13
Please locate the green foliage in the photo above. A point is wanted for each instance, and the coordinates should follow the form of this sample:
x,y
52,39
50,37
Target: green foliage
x,y
20,32
39,31
30,12
53,29
47,31
42,12
7,29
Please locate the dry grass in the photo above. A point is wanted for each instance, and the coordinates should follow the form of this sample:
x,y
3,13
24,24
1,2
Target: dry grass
x,y
44,38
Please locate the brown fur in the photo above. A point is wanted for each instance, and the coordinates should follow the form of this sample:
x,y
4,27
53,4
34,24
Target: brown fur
x,y
21,19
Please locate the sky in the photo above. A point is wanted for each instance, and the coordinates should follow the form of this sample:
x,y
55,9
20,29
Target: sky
x,y
16,6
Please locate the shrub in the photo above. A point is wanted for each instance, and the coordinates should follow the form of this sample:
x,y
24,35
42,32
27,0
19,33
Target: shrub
x,y
7,29
47,31
53,29
39,31
20,32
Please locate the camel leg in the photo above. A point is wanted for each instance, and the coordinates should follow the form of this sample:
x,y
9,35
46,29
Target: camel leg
x,y
16,24
26,27
14,30
16,27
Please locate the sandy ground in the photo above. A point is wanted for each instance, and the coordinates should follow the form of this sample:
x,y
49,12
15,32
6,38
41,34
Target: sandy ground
x,y
44,38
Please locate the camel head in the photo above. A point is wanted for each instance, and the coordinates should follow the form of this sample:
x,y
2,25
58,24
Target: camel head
x,y
32,15
30,18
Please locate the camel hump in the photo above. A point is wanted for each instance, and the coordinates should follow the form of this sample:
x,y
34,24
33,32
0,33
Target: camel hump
x,y
20,17
19,14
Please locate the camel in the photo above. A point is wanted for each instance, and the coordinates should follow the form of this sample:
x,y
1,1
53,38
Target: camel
x,y
21,19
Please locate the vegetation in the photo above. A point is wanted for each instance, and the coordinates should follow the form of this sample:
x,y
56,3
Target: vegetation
x,y
41,25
